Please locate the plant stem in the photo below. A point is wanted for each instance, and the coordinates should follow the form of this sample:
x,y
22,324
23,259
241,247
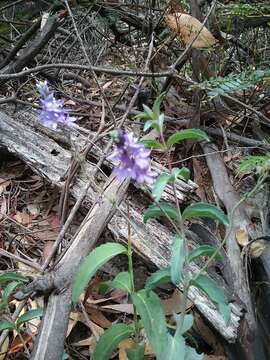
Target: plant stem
x,y
182,230
131,273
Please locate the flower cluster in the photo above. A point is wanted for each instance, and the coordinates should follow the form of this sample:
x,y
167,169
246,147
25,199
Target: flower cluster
x,y
135,161
52,113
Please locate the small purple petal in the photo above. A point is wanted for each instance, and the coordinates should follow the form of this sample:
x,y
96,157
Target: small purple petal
x,y
134,159
53,112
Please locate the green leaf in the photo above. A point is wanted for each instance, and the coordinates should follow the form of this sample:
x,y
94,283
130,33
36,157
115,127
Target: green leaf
x,y
155,211
12,276
136,353
152,144
188,134
97,258
159,185
191,354
157,103
162,276
149,307
149,112
203,250
122,281
147,125
252,162
174,350
234,82
184,173
29,315
160,123
6,325
9,290
142,116
215,293
109,341
187,323
205,210
177,259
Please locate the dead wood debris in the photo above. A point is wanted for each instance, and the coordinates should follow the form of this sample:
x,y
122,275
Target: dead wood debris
x,y
35,162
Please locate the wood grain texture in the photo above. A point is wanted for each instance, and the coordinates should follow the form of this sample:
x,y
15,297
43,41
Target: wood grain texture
x,y
152,241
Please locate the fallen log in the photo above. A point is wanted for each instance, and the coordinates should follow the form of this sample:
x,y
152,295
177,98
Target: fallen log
x,y
21,135
251,340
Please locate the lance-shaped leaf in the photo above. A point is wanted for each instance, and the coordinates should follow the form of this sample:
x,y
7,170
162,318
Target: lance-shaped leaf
x,y
136,353
28,316
177,259
215,293
163,210
163,179
149,308
109,341
187,322
188,134
205,210
122,281
174,350
98,257
204,250
157,103
152,144
160,185
7,293
12,276
6,325
184,173
162,276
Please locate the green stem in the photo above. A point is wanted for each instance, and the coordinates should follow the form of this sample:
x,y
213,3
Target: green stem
x,y
131,273
182,230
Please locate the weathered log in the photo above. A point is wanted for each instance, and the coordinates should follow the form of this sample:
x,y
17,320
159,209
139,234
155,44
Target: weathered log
x,y
50,344
251,341
46,157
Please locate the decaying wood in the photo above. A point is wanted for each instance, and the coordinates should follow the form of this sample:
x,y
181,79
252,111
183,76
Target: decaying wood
x,y
50,344
240,220
152,241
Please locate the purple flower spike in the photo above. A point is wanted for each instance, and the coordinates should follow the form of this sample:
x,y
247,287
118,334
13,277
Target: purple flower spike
x,y
135,161
52,112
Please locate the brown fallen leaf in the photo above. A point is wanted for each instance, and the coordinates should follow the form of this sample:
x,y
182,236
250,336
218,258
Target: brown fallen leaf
x,y
22,218
187,27
257,248
90,341
242,237
124,308
54,221
17,343
123,345
98,318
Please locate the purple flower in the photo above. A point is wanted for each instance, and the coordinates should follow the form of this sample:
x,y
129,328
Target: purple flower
x,y
52,113
135,161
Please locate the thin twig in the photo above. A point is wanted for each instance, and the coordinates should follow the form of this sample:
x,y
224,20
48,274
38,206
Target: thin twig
x,y
96,69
